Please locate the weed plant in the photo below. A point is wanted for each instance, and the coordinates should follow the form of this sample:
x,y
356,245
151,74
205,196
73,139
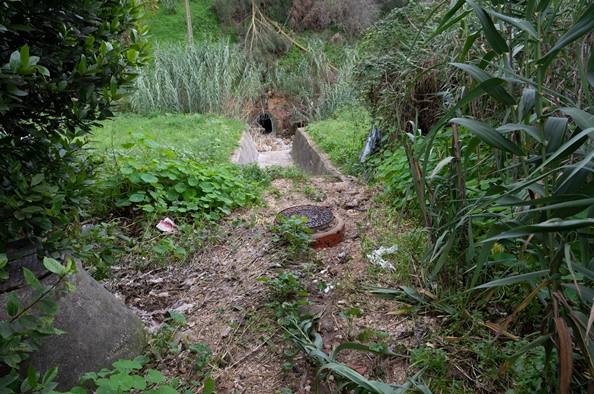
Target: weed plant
x,y
293,236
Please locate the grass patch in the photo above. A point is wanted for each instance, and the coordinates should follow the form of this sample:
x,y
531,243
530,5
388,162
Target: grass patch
x,y
206,137
171,27
343,137
407,245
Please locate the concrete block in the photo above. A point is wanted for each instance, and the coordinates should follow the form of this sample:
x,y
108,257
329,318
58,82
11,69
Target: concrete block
x,y
309,158
246,152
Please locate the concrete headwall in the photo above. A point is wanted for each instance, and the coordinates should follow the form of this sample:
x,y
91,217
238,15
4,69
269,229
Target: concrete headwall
x,y
246,152
309,158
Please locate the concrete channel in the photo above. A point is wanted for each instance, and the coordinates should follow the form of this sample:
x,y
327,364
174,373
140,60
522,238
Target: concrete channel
x,y
304,154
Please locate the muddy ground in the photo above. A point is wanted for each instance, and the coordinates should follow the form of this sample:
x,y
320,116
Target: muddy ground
x,y
225,304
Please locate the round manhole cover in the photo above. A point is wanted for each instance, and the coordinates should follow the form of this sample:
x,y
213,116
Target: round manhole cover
x,y
317,217
327,230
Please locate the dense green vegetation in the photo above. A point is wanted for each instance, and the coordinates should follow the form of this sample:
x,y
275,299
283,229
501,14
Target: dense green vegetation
x,y
499,156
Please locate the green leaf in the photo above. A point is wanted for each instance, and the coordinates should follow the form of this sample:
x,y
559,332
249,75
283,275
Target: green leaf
x,y
24,58
30,322
32,209
586,293
36,179
547,227
172,194
519,23
137,197
181,187
6,329
121,382
357,378
489,135
148,178
154,376
207,186
12,360
50,375
590,70
209,386
128,145
13,305
78,390
363,348
15,61
31,377
530,130
518,353
53,265
497,92
554,132
497,42
32,280
150,143
512,279
139,382
583,119
527,103
48,307
484,254
167,390
125,365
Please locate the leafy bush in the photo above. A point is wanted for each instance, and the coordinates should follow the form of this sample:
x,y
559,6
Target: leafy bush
x,y
29,324
62,66
167,185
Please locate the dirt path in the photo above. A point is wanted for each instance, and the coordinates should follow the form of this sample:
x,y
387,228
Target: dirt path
x,y
225,304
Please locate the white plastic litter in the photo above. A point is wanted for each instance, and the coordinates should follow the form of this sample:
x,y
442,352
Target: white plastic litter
x,y
167,225
376,256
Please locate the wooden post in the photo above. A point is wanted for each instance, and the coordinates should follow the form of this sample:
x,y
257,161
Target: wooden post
x,y
189,22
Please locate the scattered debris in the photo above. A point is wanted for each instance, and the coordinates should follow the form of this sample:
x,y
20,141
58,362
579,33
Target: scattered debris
x,y
166,225
376,256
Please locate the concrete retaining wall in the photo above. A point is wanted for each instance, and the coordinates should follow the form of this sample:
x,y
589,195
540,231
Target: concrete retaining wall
x,y
246,152
309,158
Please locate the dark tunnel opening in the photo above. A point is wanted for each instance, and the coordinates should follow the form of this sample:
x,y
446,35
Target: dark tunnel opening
x,y
265,121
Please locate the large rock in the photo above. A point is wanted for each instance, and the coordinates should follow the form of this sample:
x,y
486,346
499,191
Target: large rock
x,y
99,330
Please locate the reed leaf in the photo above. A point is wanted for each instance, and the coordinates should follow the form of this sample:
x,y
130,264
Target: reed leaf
x,y
489,135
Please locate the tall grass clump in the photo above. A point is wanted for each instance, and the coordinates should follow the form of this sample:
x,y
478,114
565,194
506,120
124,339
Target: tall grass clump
x,y
317,86
504,176
213,77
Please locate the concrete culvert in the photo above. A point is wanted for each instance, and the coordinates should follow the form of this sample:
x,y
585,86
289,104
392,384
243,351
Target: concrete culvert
x,y
267,121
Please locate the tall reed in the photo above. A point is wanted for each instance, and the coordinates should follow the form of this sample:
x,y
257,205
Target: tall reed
x,y
214,77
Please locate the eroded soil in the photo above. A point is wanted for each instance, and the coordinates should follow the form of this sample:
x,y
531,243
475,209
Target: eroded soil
x,y
225,303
